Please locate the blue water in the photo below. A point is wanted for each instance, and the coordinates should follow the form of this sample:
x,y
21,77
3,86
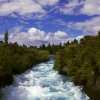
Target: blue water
x,y
42,83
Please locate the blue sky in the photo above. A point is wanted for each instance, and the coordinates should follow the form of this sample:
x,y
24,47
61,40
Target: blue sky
x,y
33,22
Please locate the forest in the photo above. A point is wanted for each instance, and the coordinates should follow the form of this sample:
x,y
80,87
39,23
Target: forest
x,y
51,48
81,61
15,59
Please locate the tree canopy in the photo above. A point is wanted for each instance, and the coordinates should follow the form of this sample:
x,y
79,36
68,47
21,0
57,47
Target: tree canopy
x,y
15,59
6,37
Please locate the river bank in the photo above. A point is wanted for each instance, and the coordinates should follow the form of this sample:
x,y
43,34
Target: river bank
x,y
93,92
15,59
81,61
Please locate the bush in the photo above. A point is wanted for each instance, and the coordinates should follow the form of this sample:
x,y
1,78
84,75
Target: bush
x,y
16,59
81,60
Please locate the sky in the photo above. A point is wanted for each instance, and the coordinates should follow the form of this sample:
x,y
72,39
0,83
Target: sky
x,y
34,22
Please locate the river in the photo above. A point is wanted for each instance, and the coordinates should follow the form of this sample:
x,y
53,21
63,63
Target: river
x,y
42,83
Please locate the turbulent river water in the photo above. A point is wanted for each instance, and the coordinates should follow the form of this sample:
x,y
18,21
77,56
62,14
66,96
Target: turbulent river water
x,y
42,83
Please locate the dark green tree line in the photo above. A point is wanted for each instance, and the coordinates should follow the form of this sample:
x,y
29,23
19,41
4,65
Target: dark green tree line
x,y
81,61
15,59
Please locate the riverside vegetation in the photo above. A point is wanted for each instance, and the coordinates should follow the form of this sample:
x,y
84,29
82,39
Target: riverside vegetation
x,y
15,59
81,61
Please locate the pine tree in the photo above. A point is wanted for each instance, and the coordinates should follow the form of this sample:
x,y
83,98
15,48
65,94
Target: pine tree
x,y
43,47
6,37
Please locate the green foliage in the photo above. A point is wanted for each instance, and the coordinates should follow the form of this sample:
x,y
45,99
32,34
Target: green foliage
x,y
15,59
81,60
53,49
6,37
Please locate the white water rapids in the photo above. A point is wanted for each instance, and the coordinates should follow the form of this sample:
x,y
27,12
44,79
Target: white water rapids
x,y
42,83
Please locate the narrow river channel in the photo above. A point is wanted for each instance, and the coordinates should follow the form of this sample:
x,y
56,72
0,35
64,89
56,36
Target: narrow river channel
x,y
42,83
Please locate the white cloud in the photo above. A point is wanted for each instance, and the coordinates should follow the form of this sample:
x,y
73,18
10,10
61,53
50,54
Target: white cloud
x,y
35,36
56,37
25,8
2,1
90,27
83,7
79,37
20,7
47,2
91,7
28,37
1,36
60,34
77,7
69,8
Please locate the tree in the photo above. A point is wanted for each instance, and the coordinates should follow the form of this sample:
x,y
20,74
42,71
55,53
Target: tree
x,y
66,44
60,46
81,60
6,37
74,42
99,33
43,47
49,47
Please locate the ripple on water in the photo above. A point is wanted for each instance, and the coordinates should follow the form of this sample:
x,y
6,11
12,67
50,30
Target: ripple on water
x,y
42,83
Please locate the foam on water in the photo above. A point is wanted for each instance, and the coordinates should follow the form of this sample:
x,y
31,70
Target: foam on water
x,y
42,83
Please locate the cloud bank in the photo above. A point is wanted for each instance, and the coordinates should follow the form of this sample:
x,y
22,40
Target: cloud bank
x,y
25,8
34,36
